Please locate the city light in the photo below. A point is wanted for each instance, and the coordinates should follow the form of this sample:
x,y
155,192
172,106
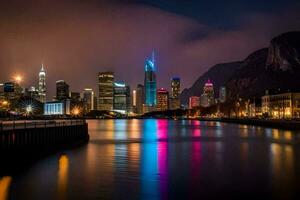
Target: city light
x,y
76,111
4,103
18,78
29,109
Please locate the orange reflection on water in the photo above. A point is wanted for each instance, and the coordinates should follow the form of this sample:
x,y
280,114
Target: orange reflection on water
x,y
4,187
62,181
111,129
282,157
135,129
275,134
287,135
134,156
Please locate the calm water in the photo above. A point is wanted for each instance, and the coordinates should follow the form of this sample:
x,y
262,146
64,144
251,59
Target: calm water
x,y
160,159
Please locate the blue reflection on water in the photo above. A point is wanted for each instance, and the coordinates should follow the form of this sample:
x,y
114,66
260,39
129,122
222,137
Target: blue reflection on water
x,y
149,164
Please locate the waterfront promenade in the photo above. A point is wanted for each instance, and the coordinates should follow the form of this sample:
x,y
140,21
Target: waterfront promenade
x,y
24,141
26,124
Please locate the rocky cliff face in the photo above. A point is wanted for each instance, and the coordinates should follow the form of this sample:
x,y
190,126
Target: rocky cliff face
x,y
284,52
273,68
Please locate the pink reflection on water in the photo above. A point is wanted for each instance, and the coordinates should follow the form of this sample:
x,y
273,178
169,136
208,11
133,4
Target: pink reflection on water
x,y
162,129
195,169
196,128
162,149
163,168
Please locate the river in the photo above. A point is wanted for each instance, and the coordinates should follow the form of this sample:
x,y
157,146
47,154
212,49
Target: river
x,y
166,159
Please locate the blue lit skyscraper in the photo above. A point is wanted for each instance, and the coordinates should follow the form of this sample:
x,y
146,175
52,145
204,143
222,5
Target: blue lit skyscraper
x,y
150,83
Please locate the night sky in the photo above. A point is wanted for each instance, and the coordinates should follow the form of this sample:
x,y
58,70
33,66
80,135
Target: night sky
x,y
75,39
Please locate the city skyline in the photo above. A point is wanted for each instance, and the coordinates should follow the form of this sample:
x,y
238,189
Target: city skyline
x,y
183,40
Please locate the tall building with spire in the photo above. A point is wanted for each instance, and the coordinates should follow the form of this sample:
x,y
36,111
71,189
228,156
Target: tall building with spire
x,y
42,85
150,84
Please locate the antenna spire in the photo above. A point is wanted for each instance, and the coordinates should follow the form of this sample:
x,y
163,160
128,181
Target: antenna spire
x,y
153,56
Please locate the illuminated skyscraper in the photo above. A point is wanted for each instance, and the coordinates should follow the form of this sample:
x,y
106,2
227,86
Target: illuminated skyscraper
x,y
209,91
174,100
150,84
175,87
106,91
88,100
62,90
121,97
162,100
42,85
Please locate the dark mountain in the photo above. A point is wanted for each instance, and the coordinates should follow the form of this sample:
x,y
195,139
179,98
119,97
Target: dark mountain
x,y
284,52
273,68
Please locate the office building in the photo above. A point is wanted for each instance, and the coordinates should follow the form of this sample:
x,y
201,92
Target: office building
x,y
62,90
222,94
33,93
12,90
133,101
42,85
95,103
175,87
150,84
88,100
106,90
174,101
162,100
121,98
194,102
209,91
140,97
75,97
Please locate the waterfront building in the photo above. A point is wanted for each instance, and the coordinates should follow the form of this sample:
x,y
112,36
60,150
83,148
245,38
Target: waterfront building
x,y
88,100
57,108
42,85
208,89
121,98
62,90
140,97
194,102
204,100
150,84
222,94
174,101
281,106
162,100
106,90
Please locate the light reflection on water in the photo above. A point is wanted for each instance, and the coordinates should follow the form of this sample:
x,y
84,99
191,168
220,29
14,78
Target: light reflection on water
x,y
160,159
4,187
